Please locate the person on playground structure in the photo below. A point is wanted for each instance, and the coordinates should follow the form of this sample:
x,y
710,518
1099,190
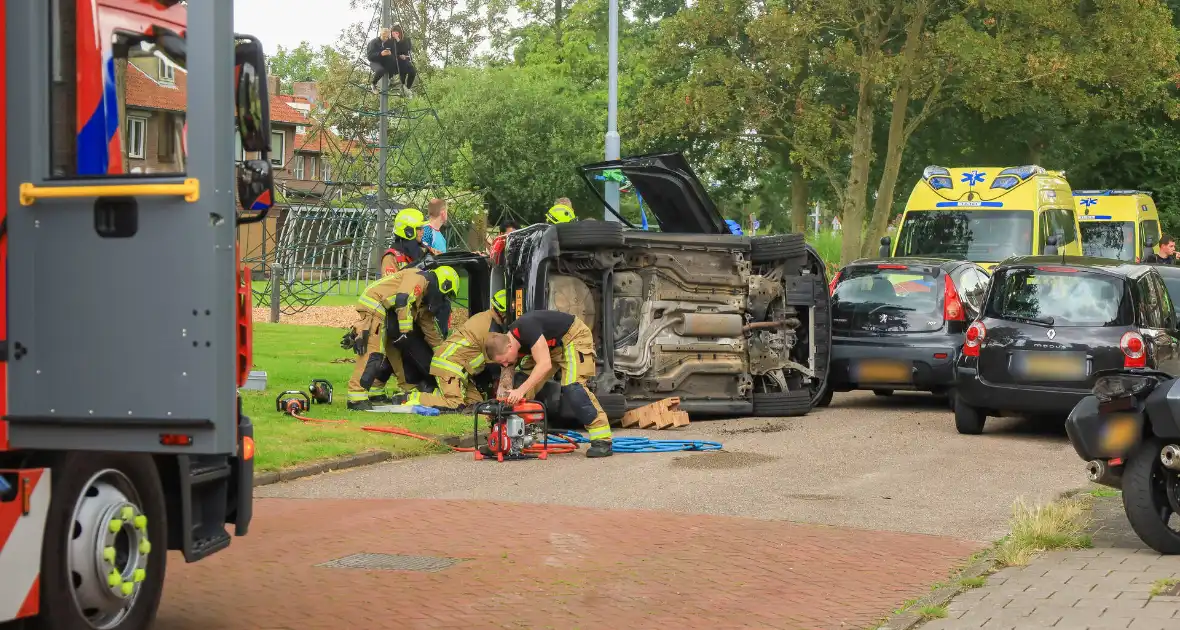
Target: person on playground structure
x,y
367,384
458,361
381,59
561,212
403,59
422,320
407,242
432,237
556,342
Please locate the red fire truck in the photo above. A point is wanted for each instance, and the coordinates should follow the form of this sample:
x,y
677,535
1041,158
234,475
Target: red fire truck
x,y
124,311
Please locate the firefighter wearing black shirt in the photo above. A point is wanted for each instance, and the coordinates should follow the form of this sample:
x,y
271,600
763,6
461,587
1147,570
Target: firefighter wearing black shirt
x,y
555,341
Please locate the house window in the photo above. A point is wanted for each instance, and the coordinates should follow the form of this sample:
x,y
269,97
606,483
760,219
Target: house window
x,y
167,72
136,132
326,169
311,167
278,148
298,166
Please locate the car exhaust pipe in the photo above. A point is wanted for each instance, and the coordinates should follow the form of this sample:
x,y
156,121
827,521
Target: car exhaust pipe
x,y
1100,472
1170,457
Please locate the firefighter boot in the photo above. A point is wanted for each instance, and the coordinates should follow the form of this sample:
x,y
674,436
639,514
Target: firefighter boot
x,y
600,448
360,405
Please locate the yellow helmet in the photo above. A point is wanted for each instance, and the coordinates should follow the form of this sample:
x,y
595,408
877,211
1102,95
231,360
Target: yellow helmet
x,y
448,280
560,213
500,301
407,222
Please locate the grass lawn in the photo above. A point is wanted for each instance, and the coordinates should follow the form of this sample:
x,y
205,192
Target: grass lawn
x,y
292,356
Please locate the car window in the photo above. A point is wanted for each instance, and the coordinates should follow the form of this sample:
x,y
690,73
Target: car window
x,y
971,285
1164,309
1150,228
1060,222
1059,296
1172,283
1109,239
975,235
887,298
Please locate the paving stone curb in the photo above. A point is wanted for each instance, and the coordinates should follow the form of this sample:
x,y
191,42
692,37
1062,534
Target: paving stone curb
x,y
984,565
307,470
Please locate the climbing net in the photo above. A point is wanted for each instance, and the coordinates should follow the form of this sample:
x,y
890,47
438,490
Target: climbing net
x,y
329,230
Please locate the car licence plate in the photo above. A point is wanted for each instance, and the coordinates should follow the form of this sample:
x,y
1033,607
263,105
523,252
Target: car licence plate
x,y
1051,366
883,372
1119,432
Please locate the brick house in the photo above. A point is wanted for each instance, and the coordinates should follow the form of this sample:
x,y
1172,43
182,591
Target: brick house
x,y
155,113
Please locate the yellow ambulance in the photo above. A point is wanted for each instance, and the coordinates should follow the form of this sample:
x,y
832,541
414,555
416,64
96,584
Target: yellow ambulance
x,y
1121,224
987,214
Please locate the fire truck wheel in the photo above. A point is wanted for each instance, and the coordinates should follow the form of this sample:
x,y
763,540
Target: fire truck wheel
x,y
102,562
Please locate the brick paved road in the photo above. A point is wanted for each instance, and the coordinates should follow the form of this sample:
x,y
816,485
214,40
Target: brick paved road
x,y
1108,586
541,566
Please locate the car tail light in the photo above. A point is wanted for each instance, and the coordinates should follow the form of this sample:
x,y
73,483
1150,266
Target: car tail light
x,y
952,306
833,283
1134,350
1058,269
892,266
974,339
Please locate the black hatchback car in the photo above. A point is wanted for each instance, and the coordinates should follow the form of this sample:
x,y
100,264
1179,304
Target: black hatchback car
x,y
1050,325
899,323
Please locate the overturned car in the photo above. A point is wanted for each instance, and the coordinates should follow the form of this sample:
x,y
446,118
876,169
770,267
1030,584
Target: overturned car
x,y
731,325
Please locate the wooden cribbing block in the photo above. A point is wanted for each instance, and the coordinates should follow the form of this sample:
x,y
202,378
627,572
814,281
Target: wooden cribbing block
x,y
663,414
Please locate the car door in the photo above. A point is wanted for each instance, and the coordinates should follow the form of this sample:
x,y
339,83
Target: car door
x,y
1156,318
1166,344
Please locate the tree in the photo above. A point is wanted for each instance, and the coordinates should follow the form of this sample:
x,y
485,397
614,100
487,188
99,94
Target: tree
x,y
814,77
302,63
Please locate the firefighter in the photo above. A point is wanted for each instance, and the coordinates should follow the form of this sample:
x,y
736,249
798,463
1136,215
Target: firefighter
x,y
561,212
407,242
458,361
555,342
420,322
367,384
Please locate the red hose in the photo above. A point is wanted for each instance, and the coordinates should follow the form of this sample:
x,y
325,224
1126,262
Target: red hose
x,y
555,447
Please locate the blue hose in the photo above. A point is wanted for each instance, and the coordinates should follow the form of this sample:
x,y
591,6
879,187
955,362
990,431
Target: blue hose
x,y
635,444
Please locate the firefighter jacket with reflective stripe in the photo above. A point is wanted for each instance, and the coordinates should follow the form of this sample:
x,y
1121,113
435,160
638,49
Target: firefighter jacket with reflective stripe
x,y
379,296
462,355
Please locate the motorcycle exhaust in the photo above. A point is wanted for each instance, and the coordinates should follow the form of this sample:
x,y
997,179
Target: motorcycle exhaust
x,y
1100,472
1170,457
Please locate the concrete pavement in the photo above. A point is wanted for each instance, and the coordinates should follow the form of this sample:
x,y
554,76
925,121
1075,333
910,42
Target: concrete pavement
x,y
1108,586
882,463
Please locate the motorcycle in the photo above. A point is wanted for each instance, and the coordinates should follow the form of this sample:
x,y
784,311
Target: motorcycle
x,y
1128,433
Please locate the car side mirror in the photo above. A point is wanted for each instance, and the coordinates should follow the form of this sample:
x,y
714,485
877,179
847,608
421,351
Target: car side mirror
x,y
886,242
253,100
255,189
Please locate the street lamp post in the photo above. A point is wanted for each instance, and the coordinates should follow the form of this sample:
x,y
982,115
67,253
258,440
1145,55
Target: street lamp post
x,y
613,144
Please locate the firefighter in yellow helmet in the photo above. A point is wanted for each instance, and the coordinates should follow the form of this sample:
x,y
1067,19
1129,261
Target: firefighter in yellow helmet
x,y
367,384
457,362
561,212
406,249
420,322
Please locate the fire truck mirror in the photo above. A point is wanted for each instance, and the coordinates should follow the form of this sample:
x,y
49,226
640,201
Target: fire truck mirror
x,y
255,189
252,98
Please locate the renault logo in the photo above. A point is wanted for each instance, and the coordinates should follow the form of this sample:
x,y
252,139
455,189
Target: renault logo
x,y
1051,334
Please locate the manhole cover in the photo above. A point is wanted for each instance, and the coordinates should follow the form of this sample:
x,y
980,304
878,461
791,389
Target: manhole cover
x,y
388,562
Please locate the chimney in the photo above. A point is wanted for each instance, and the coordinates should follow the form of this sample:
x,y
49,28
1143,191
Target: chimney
x,y
272,85
308,90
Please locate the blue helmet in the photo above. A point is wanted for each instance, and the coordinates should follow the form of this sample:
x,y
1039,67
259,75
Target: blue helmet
x,y
734,227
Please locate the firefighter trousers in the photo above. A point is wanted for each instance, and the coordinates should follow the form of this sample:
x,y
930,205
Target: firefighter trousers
x,y
410,359
574,360
366,378
453,366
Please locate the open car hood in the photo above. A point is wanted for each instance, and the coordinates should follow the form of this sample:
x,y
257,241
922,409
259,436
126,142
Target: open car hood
x,y
669,189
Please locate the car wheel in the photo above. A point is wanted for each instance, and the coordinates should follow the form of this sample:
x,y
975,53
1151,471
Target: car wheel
x,y
764,249
1151,497
615,405
825,398
968,419
883,392
782,404
589,234
105,543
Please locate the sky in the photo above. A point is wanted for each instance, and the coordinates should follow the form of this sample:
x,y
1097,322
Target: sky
x,y
287,22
